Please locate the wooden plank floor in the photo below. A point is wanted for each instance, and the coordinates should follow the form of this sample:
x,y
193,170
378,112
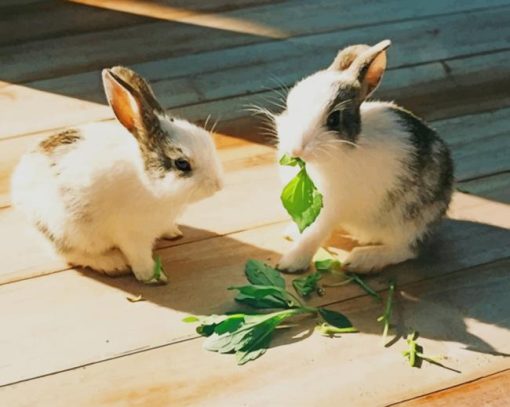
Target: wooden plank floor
x,y
69,337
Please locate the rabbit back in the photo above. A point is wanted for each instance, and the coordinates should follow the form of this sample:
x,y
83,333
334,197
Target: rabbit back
x,y
71,182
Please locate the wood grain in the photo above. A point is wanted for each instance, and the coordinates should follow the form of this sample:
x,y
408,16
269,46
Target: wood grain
x,y
207,79
472,333
71,338
475,235
121,45
492,390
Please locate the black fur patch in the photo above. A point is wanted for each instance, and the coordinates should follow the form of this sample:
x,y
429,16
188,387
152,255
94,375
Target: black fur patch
x,y
427,184
347,103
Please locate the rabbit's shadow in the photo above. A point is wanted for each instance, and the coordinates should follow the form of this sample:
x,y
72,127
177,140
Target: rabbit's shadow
x,y
440,312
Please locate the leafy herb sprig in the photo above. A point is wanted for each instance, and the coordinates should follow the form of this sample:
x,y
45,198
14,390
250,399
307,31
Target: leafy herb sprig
x,y
325,262
385,318
414,353
249,335
300,197
158,273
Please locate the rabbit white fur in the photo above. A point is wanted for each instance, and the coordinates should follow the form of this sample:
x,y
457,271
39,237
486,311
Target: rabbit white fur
x,y
385,176
103,193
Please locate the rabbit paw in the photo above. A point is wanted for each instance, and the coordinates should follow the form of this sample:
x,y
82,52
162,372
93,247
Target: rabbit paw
x,y
112,263
162,279
371,259
173,233
294,262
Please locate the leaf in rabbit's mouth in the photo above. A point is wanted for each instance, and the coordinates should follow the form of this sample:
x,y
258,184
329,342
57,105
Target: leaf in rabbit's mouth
x,y
300,196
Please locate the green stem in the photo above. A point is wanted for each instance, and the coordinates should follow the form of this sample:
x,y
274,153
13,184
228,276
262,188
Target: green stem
x,y
386,317
298,301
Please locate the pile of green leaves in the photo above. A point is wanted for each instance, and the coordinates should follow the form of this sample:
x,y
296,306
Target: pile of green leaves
x,y
249,335
300,197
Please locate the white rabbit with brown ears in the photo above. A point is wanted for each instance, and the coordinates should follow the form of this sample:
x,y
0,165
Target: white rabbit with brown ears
x,y
385,176
103,193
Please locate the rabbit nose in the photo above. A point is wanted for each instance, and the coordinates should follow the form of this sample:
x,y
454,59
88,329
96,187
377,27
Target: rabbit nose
x,y
297,151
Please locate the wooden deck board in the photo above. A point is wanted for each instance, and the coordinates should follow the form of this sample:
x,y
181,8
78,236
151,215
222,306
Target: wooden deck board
x,y
71,337
492,390
317,369
206,267
289,19
229,73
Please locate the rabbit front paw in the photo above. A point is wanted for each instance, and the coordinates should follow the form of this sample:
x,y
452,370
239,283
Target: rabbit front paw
x,y
371,259
294,262
173,233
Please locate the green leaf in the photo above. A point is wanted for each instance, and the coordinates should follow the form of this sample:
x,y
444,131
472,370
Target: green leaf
x,y
257,342
330,330
260,295
190,319
243,357
249,336
304,286
268,302
208,324
334,318
327,265
259,273
325,261
291,161
300,197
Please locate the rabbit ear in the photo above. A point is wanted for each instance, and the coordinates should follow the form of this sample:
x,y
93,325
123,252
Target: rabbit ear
x,y
345,57
132,101
368,68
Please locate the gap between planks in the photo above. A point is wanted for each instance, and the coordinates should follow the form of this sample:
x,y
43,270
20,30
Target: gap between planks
x,y
203,267
310,361
477,392
307,24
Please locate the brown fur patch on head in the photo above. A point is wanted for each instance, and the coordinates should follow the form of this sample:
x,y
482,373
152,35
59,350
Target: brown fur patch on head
x,y
64,138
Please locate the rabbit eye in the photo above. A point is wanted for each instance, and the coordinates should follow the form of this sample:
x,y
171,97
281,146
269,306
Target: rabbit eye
x,y
333,121
183,165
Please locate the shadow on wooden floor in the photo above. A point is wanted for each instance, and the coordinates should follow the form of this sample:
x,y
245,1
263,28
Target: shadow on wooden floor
x,y
439,305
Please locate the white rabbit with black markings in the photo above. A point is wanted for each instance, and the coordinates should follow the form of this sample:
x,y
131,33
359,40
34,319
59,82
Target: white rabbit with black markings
x,y
385,176
103,193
